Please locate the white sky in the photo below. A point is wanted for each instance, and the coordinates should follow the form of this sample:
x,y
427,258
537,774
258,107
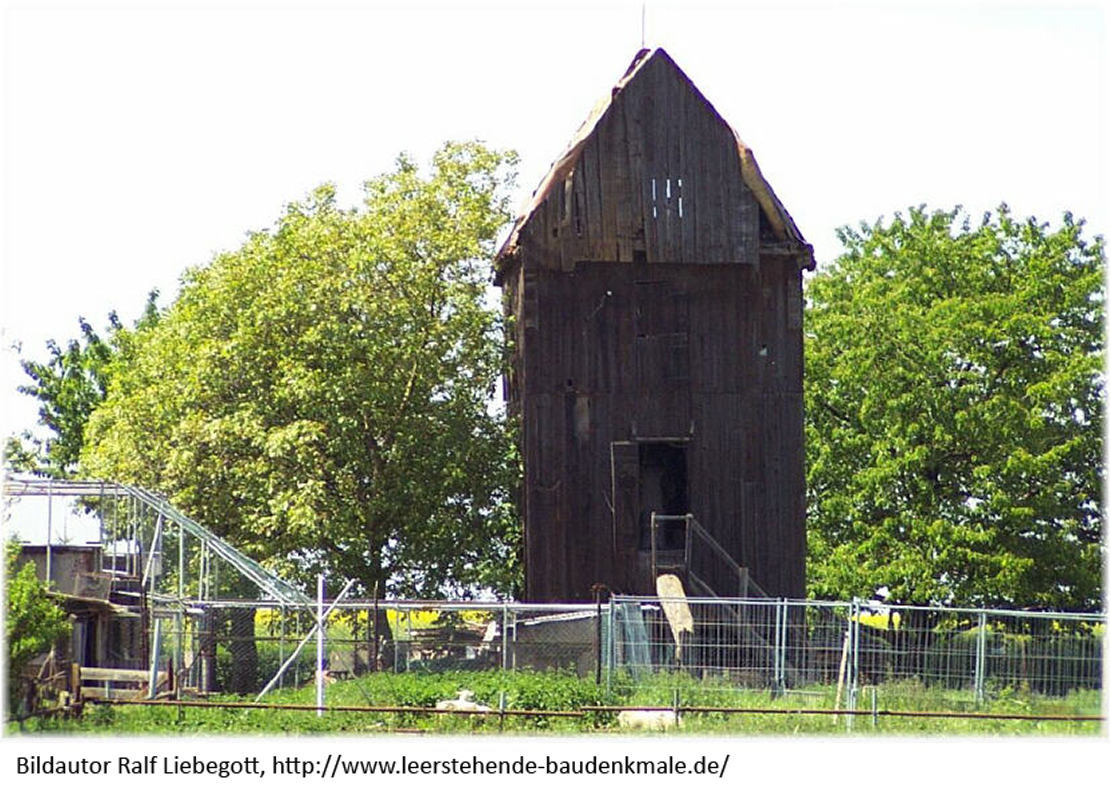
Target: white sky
x,y
26,518
140,139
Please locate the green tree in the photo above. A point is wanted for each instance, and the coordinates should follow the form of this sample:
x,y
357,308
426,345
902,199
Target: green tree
x,y
954,398
68,386
32,620
322,396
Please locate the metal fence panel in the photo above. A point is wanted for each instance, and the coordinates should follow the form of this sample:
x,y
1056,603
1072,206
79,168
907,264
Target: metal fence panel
x,y
777,645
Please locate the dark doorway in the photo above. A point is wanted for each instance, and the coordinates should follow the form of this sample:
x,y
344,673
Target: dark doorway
x,y
663,490
88,646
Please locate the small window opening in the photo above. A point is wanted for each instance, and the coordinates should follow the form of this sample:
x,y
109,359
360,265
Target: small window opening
x,y
669,194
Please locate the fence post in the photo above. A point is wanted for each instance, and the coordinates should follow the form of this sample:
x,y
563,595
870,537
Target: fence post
x,y
179,620
597,634
281,642
297,633
504,636
397,640
156,654
854,658
179,652
777,651
513,644
320,645
981,658
784,650
611,657
409,642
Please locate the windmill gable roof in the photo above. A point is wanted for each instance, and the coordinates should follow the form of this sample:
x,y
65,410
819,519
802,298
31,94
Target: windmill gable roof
x,y
779,220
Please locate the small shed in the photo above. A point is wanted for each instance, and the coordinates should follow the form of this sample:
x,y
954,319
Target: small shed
x,y
653,288
108,628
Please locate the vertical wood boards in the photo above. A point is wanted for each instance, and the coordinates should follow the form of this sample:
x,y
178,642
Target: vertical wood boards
x,y
619,192
625,471
636,322
604,340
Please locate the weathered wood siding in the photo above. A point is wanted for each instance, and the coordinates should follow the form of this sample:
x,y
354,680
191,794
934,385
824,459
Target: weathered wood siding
x,y
659,145
632,322
722,370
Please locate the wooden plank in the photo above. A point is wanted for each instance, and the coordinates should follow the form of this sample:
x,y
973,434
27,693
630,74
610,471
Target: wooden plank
x,y
752,423
634,188
782,337
617,191
704,210
733,187
771,527
625,488
665,134
677,611
792,331
675,168
598,242
117,675
577,244
754,532
567,238
574,499
673,122
705,214
103,693
724,160
649,169
607,200
794,510
597,487
689,148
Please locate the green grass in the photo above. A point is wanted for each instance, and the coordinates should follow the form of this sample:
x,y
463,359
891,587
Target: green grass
x,y
561,691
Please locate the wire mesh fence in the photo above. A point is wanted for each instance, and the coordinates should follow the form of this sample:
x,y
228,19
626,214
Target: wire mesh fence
x,y
775,645
961,656
239,646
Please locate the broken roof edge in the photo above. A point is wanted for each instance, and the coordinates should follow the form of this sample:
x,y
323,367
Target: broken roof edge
x,y
782,223
566,160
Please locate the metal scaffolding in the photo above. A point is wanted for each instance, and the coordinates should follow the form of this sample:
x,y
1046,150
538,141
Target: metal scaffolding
x,y
139,531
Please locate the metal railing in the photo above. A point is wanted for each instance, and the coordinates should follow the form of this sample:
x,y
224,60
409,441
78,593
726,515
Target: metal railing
x,y
707,566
